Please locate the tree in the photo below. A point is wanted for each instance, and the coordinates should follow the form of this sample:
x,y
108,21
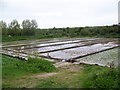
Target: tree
x,y
85,32
14,28
28,27
26,24
3,28
14,24
3,25
34,24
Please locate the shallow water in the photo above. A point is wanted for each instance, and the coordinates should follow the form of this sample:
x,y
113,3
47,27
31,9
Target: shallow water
x,y
31,50
43,44
80,51
50,48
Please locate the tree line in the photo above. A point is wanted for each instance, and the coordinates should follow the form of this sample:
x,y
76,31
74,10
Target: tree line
x,y
14,29
30,28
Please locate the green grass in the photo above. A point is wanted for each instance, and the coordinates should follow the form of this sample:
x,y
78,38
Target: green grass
x,y
99,77
64,79
16,73
18,38
0,71
6,38
13,68
89,77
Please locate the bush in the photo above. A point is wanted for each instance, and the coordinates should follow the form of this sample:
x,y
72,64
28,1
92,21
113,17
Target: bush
x,y
101,77
107,79
37,65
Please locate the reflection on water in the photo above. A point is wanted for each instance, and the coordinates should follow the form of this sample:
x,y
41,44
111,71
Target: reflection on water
x,y
49,48
58,50
80,51
49,43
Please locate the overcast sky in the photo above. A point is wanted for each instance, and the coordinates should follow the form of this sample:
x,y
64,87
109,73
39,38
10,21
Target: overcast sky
x,y
61,13
119,12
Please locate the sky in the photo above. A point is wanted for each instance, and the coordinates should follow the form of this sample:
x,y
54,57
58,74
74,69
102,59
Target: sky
x,y
61,13
119,12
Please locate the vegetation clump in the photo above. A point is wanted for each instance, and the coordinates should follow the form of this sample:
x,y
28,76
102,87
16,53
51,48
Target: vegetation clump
x,y
14,67
99,77
29,30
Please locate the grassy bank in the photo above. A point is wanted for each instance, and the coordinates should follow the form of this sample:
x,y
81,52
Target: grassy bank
x,y
18,38
32,74
0,71
6,38
13,68
86,77
99,77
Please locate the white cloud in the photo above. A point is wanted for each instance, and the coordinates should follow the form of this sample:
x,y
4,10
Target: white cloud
x,y
61,13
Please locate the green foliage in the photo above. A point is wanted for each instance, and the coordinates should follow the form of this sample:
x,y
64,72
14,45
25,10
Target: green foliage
x,y
52,83
3,25
29,28
16,38
14,25
98,77
36,65
27,32
27,24
85,32
106,79
13,67
89,76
